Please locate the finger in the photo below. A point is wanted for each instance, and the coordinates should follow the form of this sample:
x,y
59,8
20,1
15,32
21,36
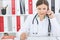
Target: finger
x,y
50,12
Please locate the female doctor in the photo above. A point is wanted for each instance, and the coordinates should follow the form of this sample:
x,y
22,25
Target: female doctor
x,y
43,23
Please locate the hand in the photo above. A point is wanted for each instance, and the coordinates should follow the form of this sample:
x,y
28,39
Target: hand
x,y
50,14
23,36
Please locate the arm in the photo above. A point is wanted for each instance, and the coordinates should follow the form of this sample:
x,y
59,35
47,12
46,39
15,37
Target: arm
x,y
55,27
24,29
23,32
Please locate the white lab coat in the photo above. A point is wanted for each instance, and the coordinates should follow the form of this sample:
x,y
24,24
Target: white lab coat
x,y
41,29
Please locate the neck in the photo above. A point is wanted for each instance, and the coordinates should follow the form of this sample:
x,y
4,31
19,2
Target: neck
x,y
41,17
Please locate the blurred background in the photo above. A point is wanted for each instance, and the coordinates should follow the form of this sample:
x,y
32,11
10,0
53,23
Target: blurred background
x,y
13,13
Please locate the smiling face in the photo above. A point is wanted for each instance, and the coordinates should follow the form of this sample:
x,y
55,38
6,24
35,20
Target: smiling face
x,y
42,9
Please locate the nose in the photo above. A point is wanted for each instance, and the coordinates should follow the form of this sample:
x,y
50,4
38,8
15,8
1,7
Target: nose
x,y
41,11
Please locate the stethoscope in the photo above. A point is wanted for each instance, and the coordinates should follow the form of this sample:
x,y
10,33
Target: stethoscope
x,y
49,25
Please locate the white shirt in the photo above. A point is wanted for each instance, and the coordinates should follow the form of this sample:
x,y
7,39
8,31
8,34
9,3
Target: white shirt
x,y
42,28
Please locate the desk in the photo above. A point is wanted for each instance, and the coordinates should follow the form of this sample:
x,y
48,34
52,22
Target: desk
x,y
43,38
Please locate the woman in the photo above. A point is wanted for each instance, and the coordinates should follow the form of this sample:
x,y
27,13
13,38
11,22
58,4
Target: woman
x,y
43,23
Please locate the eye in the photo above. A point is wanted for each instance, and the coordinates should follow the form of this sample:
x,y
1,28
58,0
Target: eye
x,y
44,8
39,8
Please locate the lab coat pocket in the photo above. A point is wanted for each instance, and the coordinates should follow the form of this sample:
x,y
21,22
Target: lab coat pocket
x,y
33,29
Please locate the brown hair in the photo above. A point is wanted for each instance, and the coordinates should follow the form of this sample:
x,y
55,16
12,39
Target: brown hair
x,y
39,2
